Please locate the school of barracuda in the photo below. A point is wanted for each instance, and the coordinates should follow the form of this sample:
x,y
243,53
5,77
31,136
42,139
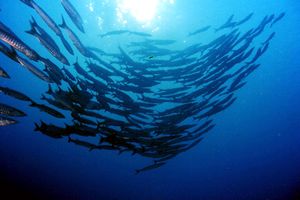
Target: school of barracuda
x,y
124,100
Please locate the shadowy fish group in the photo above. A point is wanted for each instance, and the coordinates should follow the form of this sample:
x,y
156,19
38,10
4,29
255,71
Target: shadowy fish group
x,y
145,98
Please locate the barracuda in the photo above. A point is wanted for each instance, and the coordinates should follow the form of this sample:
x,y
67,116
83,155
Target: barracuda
x,y
17,44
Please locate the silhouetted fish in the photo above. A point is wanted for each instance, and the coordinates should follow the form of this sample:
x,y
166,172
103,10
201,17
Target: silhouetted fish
x,y
47,109
9,52
140,34
15,94
248,17
43,33
74,15
76,41
49,21
49,46
150,167
201,30
281,15
34,70
118,32
227,24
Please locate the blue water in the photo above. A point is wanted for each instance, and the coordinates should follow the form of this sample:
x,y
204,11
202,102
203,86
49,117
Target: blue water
x,y
252,153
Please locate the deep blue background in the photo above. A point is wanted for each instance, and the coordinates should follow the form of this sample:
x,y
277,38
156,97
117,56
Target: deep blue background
x,y
252,153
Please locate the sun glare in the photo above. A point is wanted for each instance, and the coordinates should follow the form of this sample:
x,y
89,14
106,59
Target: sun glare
x,y
142,10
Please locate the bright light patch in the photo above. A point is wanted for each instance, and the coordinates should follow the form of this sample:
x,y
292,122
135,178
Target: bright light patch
x,y
142,10
90,6
100,22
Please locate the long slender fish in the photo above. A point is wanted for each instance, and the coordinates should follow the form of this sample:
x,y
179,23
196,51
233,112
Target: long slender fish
x,y
67,45
38,73
51,49
3,73
76,41
5,121
140,34
9,52
271,36
118,32
248,17
47,19
12,40
15,94
227,24
50,22
201,30
150,167
10,111
44,34
278,18
47,109
73,14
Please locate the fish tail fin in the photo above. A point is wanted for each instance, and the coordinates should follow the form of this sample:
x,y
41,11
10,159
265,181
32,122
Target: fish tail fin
x,y
63,24
32,30
33,22
142,97
98,125
43,124
33,104
37,127
7,76
91,148
28,3
50,91
69,139
102,139
43,97
133,152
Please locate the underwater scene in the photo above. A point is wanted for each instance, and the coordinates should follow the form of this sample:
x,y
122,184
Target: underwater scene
x,y
150,99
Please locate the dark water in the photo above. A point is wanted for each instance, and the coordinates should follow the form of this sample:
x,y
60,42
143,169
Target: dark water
x,y
253,152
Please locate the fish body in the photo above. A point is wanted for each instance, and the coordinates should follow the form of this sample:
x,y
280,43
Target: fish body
x,y
9,52
140,34
118,32
13,93
278,18
201,30
10,111
50,22
150,167
47,19
12,40
47,109
5,121
50,48
33,69
248,17
44,34
76,41
73,14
